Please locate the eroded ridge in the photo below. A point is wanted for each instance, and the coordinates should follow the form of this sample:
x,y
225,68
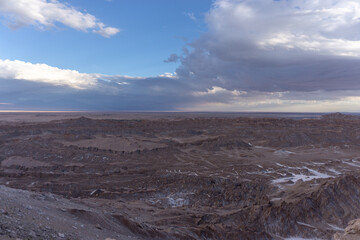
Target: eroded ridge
x,y
185,178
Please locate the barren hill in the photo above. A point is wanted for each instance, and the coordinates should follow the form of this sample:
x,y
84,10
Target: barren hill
x,y
181,178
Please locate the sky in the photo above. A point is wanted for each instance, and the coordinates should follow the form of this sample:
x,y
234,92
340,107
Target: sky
x,y
180,55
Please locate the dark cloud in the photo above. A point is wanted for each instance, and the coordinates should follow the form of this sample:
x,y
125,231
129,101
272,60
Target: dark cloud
x,y
172,58
256,45
157,94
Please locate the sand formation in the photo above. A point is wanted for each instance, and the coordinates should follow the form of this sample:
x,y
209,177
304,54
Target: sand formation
x,y
181,178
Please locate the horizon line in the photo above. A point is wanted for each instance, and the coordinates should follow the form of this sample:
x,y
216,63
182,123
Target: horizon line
x,y
129,111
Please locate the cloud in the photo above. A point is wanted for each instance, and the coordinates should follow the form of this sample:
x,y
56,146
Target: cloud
x,y
19,70
168,75
191,16
106,31
312,26
42,87
257,55
173,58
46,13
277,46
318,101
218,91
149,94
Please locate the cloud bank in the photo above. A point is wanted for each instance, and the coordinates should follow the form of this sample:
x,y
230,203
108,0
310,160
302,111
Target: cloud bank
x,y
32,86
257,55
42,73
277,46
46,13
41,87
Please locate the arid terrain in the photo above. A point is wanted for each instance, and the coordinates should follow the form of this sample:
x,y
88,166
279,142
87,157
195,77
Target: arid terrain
x,y
178,176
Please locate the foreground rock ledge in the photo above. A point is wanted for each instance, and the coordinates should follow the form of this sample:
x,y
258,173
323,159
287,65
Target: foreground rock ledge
x,y
352,232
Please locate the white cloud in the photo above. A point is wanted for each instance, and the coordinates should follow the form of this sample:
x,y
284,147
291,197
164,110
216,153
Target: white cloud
x,y
106,31
317,101
46,13
326,27
191,16
218,90
19,70
168,75
40,86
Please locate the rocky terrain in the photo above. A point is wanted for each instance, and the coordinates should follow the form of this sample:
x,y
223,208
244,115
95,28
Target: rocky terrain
x,y
179,177
352,232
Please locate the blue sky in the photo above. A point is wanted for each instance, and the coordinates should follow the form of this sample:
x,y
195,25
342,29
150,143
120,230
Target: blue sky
x,y
180,55
150,32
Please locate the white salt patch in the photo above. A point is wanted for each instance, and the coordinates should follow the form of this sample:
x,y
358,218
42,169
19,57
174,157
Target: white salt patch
x,y
306,225
318,174
300,238
263,172
275,199
316,163
296,177
180,172
334,171
351,164
280,165
179,202
193,174
283,152
336,228
154,202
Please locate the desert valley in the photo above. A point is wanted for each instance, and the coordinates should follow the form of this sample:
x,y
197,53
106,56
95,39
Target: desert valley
x,y
178,176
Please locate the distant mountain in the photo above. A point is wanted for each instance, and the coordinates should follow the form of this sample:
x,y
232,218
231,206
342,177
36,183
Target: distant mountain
x,y
340,116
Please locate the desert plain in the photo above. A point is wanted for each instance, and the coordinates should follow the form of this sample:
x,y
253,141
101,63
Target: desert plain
x,y
178,175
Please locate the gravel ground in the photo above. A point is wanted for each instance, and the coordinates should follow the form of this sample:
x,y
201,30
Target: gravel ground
x,y
27,215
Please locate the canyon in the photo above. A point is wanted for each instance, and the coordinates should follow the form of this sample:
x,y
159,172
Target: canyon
x,y
178,176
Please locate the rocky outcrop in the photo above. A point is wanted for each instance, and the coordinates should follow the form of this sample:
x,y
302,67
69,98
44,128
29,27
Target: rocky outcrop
x,y
352,231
